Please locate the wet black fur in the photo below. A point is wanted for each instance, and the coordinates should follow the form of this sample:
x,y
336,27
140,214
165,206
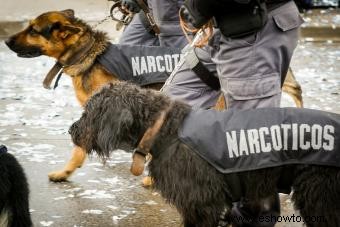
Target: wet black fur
x,y
14,192
118,115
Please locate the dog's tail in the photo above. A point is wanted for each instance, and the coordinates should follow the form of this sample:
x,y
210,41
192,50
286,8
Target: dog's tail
x,y
14,192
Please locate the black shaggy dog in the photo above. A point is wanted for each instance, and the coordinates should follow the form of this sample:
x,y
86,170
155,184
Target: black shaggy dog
x,y
14,206
118,116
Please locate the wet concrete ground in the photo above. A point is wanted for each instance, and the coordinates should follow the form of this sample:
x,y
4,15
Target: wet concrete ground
x,y
34,124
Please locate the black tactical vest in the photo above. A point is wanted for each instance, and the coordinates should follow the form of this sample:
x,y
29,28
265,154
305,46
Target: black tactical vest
x,y
242,140
142,65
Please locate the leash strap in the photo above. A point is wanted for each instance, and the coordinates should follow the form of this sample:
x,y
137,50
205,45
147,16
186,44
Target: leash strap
x,y
185,52
148,15
57,80
200,70
190,58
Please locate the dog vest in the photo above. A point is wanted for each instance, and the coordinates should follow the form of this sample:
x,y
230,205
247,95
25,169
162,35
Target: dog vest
x,y
242,140
141,65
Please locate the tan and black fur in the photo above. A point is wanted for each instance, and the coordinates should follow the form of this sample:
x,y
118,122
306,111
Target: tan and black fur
x,y
60,35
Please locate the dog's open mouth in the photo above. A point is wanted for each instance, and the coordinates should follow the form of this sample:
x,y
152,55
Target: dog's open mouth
x,y
24,52
30,54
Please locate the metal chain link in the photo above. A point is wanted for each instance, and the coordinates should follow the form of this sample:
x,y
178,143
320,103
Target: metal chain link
x,y
101,21
126,19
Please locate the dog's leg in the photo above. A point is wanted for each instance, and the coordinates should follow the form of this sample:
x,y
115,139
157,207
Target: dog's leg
x,y
293,88
295,94
316,196
77,160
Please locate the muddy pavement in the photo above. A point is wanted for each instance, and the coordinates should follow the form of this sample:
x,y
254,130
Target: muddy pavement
x,y
34,124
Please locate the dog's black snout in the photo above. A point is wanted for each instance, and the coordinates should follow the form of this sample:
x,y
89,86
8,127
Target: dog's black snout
x,y
9,42
72,128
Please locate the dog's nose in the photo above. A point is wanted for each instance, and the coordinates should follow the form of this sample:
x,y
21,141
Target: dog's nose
x,y
73,127
9,42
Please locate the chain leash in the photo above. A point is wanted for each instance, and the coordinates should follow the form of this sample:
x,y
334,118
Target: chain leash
x,y
101,21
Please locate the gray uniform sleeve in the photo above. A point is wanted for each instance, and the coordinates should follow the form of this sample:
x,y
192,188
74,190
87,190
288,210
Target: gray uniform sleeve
x,y
136,34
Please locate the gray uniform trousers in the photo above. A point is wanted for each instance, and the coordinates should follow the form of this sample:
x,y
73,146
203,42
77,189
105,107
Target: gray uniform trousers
x,y
250,69
136,34
165,13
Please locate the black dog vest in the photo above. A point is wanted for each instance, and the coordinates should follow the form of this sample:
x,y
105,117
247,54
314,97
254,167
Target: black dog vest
x,y
142,65
235,140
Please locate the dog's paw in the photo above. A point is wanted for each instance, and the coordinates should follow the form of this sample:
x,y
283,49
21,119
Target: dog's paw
x,y
58,176
147,182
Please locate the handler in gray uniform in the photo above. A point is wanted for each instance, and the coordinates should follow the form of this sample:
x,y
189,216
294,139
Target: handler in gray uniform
x,y
165,12
251,68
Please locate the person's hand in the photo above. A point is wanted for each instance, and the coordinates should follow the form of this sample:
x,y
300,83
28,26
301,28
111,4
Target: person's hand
x,y
190,19
131,5
186,16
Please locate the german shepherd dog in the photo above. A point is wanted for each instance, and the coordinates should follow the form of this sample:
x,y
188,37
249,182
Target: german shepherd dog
x,y
14,192
76,45
122,115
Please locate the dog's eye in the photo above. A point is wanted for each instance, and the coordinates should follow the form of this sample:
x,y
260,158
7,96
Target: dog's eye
x,y
33,32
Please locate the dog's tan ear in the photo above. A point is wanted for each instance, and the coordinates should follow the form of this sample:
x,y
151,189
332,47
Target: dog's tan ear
x,y
68,29
68,12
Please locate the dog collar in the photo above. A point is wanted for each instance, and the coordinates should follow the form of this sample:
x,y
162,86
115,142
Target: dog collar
x,y
57,69
78,55
3,149
146,143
